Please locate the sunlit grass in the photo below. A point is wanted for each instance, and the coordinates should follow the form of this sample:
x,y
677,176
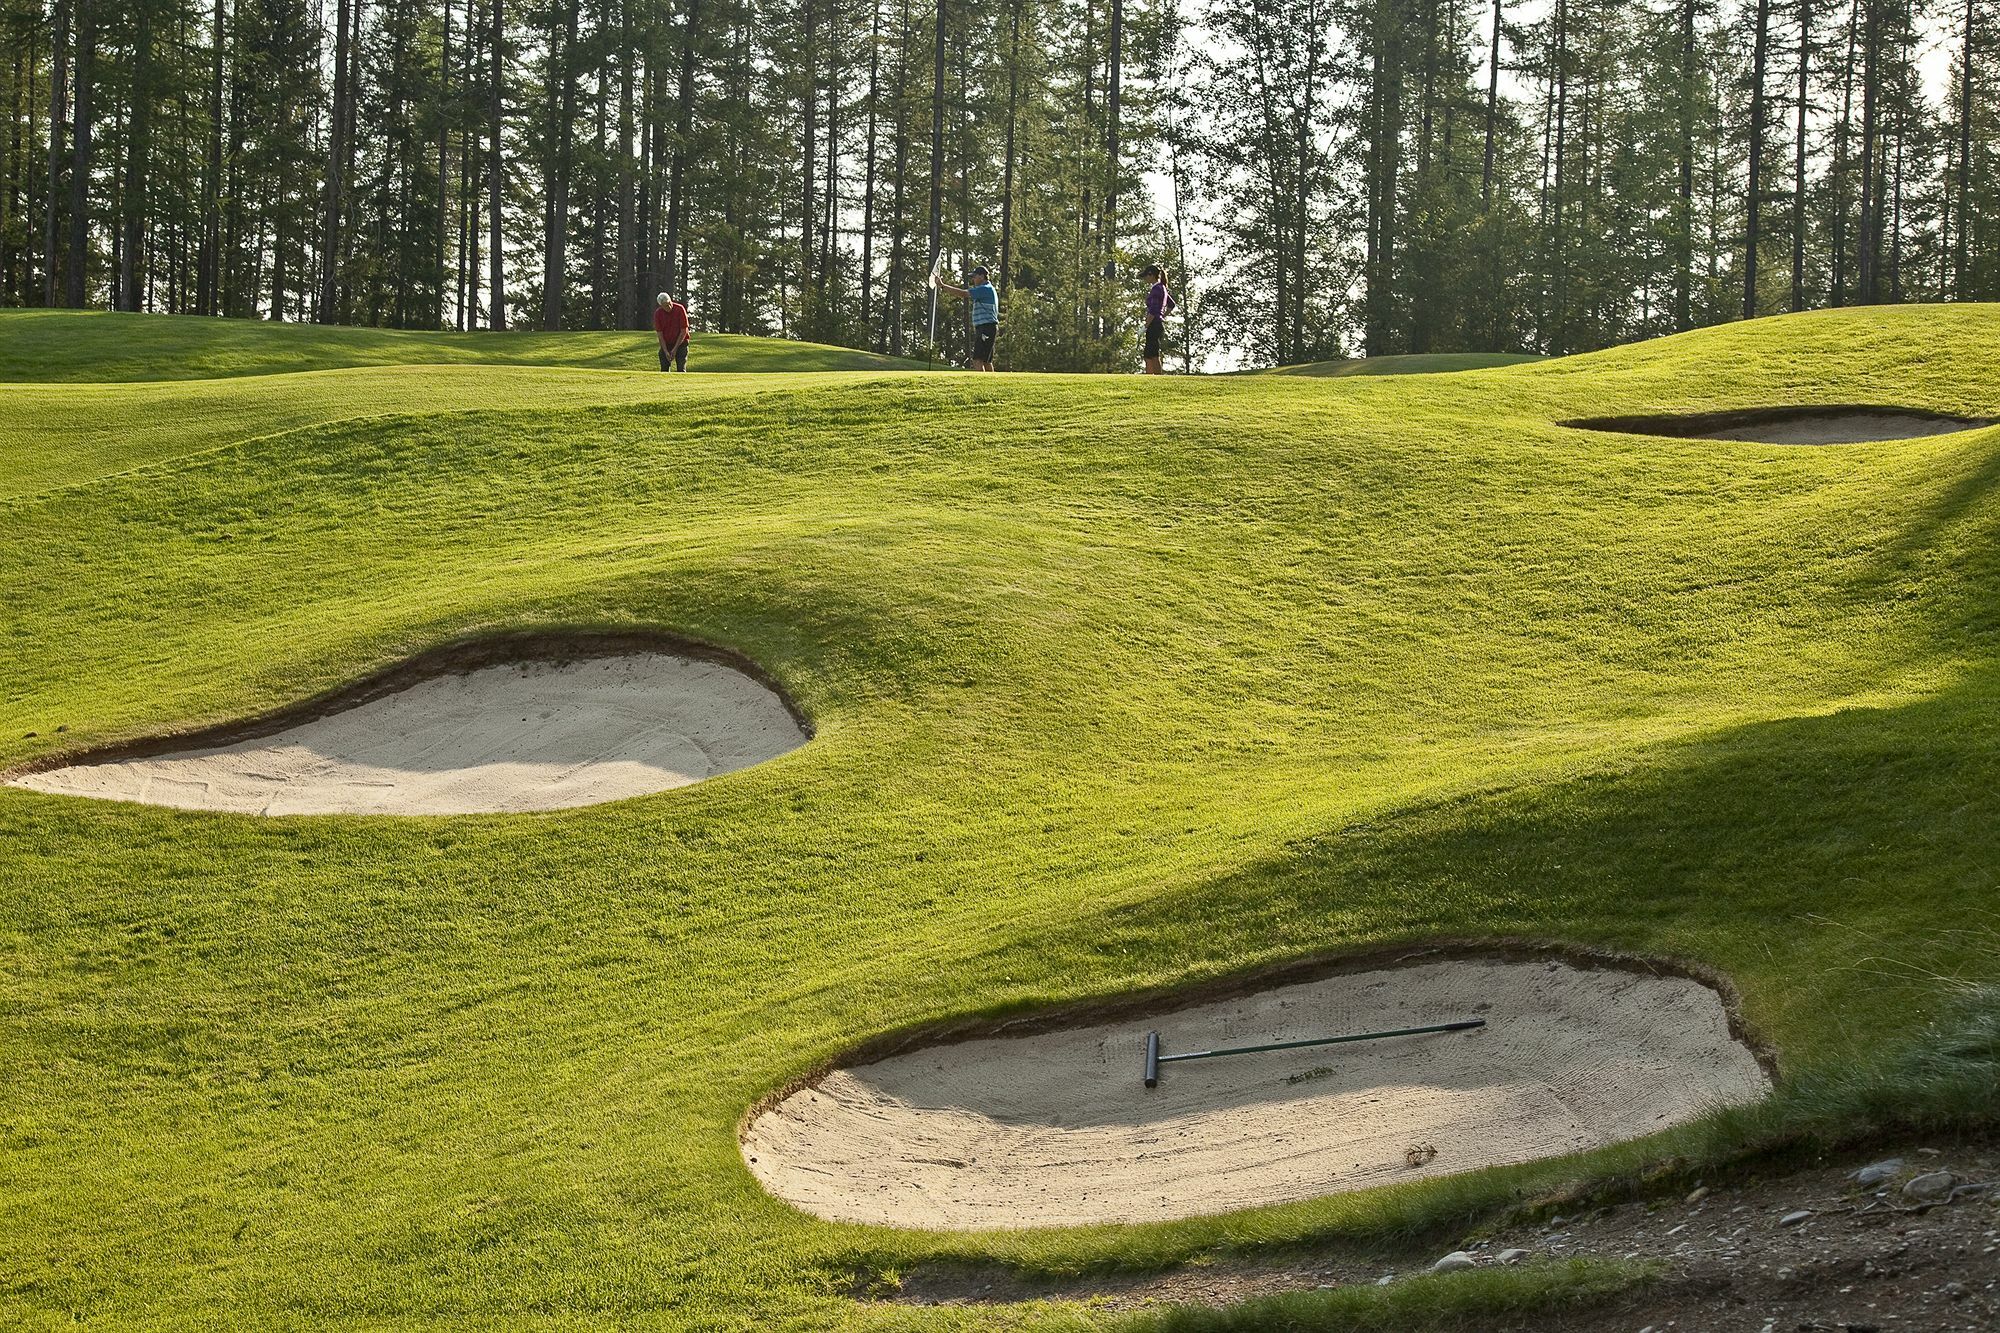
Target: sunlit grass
x,y
1117,684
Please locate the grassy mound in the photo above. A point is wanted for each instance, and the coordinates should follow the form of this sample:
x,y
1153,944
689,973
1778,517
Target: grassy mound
x,y
101,348
1117,684
1422,363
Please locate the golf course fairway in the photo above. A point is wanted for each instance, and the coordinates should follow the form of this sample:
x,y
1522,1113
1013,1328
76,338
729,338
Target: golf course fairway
x,y
1115,685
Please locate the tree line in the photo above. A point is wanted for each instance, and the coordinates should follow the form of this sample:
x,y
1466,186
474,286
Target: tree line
x,y
1324,177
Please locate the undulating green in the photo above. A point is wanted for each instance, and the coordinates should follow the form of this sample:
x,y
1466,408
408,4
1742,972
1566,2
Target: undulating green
x,y
1118,683
1413,363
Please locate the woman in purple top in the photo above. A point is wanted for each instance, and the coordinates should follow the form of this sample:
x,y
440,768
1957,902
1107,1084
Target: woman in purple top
x,y
1159,304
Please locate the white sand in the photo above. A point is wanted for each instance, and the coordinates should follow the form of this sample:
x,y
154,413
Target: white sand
x,y
1057,1127
526,736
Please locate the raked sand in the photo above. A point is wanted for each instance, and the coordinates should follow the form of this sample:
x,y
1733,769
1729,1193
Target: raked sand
x,y
513,737
1057,1127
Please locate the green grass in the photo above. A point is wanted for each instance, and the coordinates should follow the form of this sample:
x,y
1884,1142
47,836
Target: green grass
x,y
1118,684
103,348
1424,363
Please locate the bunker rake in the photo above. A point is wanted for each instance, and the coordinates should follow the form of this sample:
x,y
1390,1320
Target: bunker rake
x,y
1154,1059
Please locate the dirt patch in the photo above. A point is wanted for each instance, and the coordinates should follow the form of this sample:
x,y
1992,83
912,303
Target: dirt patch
x,y
1791,425
1056,1127
1865,1257
466,730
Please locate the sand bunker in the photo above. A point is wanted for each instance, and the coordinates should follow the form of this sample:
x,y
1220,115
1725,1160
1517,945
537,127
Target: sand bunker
x,y
501,737
1792,425
1056,1127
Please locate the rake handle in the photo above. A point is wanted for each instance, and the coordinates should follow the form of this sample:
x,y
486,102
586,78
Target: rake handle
x,y
1154,1059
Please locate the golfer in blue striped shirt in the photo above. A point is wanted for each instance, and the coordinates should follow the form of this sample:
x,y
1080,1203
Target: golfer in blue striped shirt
x,y
985,301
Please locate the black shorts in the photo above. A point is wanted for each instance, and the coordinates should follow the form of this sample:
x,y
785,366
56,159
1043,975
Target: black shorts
x,y
1156,331
983,338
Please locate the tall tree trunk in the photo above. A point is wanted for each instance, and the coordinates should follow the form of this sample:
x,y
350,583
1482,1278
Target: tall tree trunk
x,y
937,156
1905,45
138,149
1753,196
496,168
443,239
600,205
77,273
646,240
892,299
229,290
829,211
1108,231
1492,111
868,175
403,152
207,284
1684,222
1799,164
1867,261
58,96
1301,202
683,130
809,122
1558,248
1007,170
468,173
332,190
628,277
555,244
1384,167
1842,145
1961,286
1177,192
16,172
962,104
1371,256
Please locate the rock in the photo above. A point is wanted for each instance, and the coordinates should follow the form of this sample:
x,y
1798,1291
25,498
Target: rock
x,y
1930,1187
1700,1193
1956,1291
1455,1262
1793,1219
1878,1173
1385,1279
1513,1256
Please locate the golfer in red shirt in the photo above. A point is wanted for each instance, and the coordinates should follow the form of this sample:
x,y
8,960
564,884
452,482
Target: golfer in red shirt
x,y
670,321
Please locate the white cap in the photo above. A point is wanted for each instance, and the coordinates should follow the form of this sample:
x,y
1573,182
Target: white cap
x,y
665,298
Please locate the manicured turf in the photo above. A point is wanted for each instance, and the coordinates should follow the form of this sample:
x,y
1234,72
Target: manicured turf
x,y
1118,684
107,348
1425,363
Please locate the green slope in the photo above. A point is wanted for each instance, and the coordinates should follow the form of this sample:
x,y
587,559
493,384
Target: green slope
x,y
1118,683
61,434
67,346
1425,363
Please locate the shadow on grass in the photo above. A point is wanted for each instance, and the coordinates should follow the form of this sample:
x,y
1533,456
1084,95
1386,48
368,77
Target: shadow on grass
x,y
1973,556
1841,868
1451,1300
